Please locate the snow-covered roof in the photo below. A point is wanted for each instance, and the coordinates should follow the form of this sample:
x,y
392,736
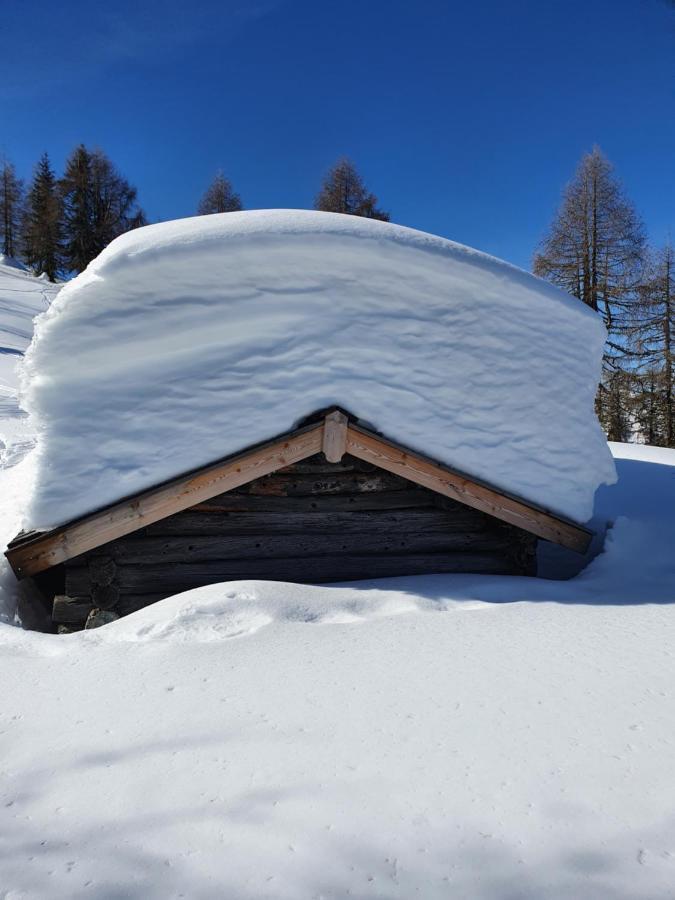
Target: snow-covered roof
x,y
189,340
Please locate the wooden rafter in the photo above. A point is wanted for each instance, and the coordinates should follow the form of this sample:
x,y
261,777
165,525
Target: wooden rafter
x,y
444,480
335,435
67,541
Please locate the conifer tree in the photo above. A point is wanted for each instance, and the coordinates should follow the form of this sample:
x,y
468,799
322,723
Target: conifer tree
x,y
594,250
11,196
220,197
99,205
646,405
615,412
41,226
343,191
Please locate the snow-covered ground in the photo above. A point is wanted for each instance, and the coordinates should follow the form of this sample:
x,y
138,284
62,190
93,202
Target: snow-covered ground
x,y
434,737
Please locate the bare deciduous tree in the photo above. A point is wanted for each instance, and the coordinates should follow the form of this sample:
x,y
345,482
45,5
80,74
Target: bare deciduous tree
x,y
99,205
220,197
653,347
594,250
343,191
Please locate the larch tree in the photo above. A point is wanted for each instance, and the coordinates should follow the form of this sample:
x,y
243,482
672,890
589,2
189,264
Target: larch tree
x,y
11,197
654,349
594,250
343,191
41,225
219,197
114,202
99,204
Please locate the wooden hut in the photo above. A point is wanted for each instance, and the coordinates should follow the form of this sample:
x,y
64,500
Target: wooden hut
x,y
331,500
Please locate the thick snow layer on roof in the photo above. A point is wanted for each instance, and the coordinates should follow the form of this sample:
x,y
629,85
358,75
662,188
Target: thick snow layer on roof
x,y
190,340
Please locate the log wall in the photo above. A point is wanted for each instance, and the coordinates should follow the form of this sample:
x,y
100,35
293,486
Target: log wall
x,y
312,522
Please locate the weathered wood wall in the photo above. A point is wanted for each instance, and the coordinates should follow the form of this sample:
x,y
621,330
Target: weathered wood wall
x,y
312,522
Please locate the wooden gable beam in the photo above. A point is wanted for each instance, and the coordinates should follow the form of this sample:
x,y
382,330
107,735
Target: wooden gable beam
x,y
335,435
387,455
48,549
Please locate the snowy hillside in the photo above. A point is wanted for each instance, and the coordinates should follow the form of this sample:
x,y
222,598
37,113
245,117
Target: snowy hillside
x,y
451,736
22,297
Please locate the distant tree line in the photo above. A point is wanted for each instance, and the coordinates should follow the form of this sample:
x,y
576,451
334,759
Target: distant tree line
x,y
596,250
57,225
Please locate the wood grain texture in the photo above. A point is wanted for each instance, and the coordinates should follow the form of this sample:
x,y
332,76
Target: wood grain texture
x,y
136,550
370,501
171,578
335,436
344,521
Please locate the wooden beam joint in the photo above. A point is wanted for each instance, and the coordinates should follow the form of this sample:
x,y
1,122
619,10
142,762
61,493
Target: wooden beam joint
x,y
334,443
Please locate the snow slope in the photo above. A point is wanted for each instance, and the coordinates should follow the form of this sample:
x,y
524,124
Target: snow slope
x,y
452,736
22,297
189,340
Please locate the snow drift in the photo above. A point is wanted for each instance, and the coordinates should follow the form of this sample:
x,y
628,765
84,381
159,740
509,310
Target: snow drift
x,y
190,340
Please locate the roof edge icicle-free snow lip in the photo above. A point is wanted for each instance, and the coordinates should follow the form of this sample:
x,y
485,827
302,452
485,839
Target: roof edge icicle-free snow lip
x,y
187,341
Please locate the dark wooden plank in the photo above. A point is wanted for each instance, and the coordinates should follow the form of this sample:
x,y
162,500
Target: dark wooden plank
x,y
192,548
177,577
361,522
415,497
316,476
292,485
319,464
78,579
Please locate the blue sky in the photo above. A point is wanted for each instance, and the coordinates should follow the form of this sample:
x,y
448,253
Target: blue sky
x,y
465,119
